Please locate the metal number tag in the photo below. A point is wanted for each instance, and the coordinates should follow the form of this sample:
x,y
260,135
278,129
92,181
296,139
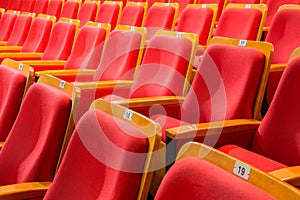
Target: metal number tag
x,y
127,115
62,84
241,170
243,43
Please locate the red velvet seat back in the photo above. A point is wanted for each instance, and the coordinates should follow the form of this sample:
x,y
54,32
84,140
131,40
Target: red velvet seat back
x,y
98,160
132,15
40,6
109,13
38,36
14,5
7,22
28,5
220,4
239,23
159,17
196,20
196,179
61,41
88,38
279,132
120,56
87,12
164,67
31,150
225,85
70,9
12,85
20,30
54,8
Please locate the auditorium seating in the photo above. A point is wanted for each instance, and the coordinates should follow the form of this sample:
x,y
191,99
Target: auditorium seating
x,y
110,12
133,14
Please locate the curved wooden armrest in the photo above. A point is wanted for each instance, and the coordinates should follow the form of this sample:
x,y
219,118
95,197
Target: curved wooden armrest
x,y
24,190
266,28
66,72
278,67
149,101
10,48
212,128
41,63
103,84
288,174
22,55
1,144
3,43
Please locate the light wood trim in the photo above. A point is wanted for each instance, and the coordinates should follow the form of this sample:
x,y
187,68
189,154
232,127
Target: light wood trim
x,y
290,175
10,49
261,7
267,49
20,55
103,84
41,63
14,11
1,144
278,67
74,94
66,72
289,6
295,53
150,128
24,190
149,101
120,4
194,39
3,43
278,189
175,6
212,128
142,4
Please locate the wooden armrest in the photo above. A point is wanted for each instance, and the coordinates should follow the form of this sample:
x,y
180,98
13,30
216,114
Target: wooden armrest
x,y
266,28
66,72
10,48
45,62
212,128
24,190
3,43
288,174
103,84
149,101
278,67
1,144
22,55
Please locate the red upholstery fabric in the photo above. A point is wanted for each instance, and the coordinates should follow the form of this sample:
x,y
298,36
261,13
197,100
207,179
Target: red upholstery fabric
x,y
151,2
196,20
28,5
182,5
38,36
61,41
14,5
7,22
54,8
164,67
87,12
132,15
195,179
284,34
12,85
220,4
256,160
40,6
70,9
278,135
31,150
159,17
240,23
98,160
87,39
273,6
109,13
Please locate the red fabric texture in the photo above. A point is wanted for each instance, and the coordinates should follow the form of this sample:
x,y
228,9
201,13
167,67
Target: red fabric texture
x,y
31,150
7,22
40,6
27,6
88,38
12,85
20,30
132,15
70,9
14,5
279,133
54,8
108,13
203,17
182,5
97,158
256,160
194,179
61,41
159,17
240,23
38,36
87,12
285,36
220,4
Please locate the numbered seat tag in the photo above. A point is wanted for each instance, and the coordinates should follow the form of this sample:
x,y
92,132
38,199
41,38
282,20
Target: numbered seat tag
x,y
241,170
127,115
